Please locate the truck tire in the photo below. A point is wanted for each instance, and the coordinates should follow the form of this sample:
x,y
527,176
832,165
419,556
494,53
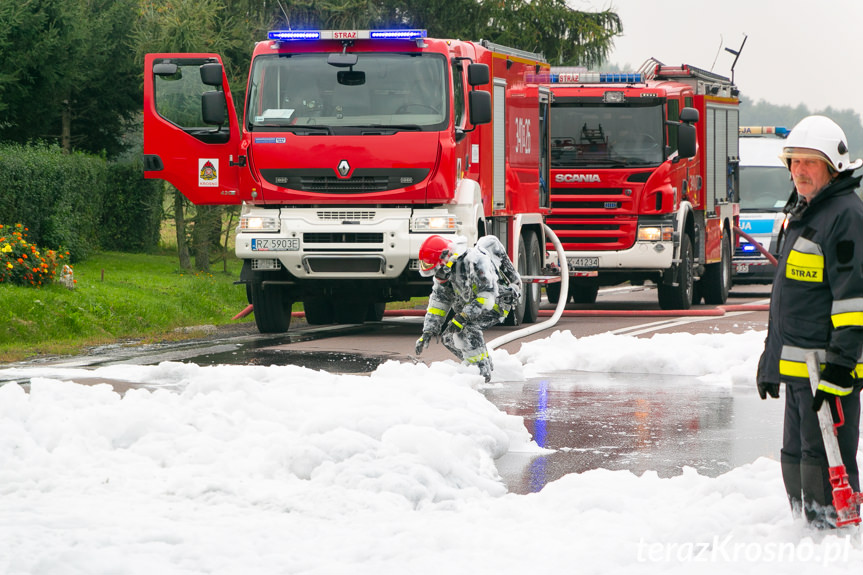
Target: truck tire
x,y
319,310
584,291
516,316
376,311
679,296
552,293
532,290
271,308
717,277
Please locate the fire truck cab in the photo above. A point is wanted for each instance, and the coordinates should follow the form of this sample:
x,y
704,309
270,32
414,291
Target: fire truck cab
x,y
353,148
644,181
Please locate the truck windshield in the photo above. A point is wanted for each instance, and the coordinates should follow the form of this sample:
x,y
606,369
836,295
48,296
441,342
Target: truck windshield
x,y
764,188
606,135
381,91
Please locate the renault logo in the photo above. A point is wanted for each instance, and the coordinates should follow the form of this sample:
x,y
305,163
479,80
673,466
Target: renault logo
x,y
344,168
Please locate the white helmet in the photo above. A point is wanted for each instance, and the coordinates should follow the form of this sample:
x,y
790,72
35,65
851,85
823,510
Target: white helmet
x,y
822,138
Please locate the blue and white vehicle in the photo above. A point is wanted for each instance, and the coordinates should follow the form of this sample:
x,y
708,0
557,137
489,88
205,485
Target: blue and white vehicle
x,y
765,185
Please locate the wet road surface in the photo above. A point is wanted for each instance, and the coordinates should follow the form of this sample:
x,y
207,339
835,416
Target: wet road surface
x,y
637,423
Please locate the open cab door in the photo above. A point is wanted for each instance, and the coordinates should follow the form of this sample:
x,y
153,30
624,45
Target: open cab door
x,y
191,133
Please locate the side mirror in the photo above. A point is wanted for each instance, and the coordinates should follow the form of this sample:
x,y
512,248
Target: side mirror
x,y
479,107
478,74
689,115
211,74
213,108
686,138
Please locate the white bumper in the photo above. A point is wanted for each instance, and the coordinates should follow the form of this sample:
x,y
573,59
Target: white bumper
x,y
652,256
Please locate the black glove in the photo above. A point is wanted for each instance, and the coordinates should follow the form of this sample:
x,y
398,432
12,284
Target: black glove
x,y
765,389
836,381
424,341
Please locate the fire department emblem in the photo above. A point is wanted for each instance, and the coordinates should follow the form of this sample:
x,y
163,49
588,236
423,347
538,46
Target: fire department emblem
x,y
208,172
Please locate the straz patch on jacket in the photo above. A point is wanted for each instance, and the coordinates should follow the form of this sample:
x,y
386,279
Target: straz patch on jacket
x,y
805,267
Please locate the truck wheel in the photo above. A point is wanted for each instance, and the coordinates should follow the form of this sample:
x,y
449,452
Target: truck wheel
x,y
717,277
517,313
532,290
272,309
583,291
319,311
552,293
376,311
679,296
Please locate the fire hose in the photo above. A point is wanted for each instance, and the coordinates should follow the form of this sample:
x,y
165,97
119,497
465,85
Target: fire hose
x,y
757,245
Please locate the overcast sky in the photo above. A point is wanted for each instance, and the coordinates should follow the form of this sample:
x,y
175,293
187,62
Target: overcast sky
x,y
797,51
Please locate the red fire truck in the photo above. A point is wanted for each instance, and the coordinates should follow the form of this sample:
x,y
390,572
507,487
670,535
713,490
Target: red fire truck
x,y
644,181
355,146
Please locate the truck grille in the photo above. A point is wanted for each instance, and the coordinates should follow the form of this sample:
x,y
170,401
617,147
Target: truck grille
x,y
593,218
346,215
362,180
343,238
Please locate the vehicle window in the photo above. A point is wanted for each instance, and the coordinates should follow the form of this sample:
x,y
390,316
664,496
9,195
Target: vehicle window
x,y
458,94
409,91
178,100
606,135
764,189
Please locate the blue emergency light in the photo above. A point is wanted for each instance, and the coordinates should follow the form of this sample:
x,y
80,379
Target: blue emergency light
x,y
597,78
291,35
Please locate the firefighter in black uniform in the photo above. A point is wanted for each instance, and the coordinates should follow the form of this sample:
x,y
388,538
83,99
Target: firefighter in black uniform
x,y
817,305
472,291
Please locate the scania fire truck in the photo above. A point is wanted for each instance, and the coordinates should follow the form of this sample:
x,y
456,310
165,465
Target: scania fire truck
x,y
644,180
355,146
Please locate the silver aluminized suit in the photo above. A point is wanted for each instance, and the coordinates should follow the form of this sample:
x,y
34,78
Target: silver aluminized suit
x,y
817,305
480,287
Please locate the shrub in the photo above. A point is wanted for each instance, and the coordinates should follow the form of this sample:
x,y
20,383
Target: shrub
x,y
23,263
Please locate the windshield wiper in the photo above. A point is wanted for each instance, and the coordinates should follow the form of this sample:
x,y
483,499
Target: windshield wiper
x,y
297,129
393,127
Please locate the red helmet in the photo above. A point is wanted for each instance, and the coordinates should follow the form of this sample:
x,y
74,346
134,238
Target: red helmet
x,y
434,251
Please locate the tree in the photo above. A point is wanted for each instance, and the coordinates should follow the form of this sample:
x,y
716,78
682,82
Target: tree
x,y
198,26
563,35
70,77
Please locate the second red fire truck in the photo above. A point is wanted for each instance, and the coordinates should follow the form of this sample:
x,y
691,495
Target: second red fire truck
x,y
354,147
644,181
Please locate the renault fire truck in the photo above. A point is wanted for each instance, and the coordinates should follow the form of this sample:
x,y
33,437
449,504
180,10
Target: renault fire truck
x,y
355,146
765,185
644,181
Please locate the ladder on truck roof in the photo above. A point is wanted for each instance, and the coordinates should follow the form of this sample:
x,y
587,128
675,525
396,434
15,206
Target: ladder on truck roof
x,y
703,81
500,49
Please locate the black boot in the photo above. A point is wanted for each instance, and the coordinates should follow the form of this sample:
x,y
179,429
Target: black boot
x,y
793,487
817,497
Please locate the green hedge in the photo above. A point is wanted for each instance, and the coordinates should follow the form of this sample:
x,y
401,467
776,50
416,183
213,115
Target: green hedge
x,y
71,200
132,213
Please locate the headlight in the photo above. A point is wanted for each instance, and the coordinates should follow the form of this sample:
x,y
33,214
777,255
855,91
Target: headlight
x,y
255,223
655,233
442,223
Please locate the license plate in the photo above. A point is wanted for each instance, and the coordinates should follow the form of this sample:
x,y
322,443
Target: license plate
x,y
743,268
275,244
583,263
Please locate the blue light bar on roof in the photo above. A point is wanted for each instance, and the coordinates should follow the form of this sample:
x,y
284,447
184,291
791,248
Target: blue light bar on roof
x,y
397,34
294,35
287,35
597,78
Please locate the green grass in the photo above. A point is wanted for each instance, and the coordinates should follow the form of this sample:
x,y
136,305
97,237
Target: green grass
x,y
117,296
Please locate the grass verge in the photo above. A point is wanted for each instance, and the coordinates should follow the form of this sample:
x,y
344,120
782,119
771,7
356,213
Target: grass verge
x,y
117,296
